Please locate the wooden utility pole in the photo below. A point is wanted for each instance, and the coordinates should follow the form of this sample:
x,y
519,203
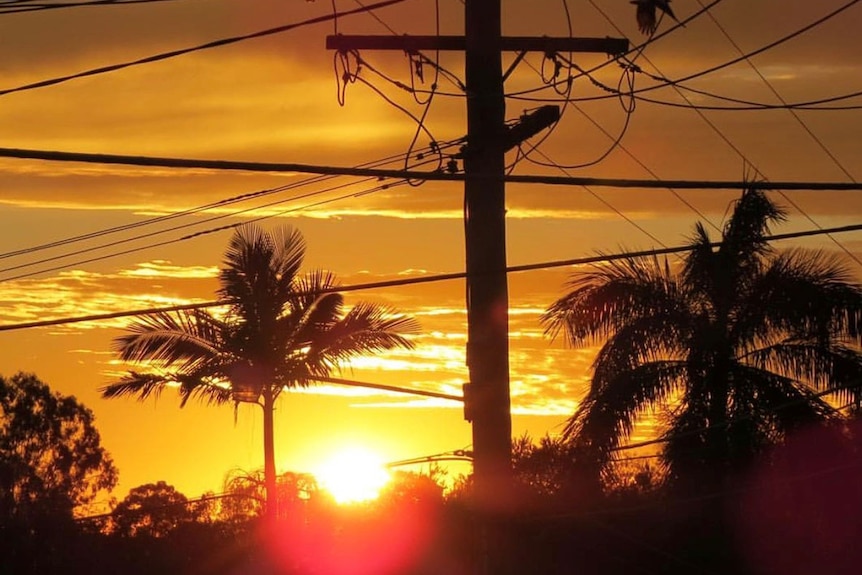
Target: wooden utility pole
x,y
487,395
485,241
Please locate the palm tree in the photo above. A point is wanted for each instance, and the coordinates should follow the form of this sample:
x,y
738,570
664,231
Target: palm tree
x,y
745,344
281,331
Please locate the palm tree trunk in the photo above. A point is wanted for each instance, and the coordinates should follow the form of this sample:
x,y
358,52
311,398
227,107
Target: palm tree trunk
x,y
269,454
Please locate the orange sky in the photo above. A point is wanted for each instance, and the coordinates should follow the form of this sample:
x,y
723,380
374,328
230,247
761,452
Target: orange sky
x,y
274,99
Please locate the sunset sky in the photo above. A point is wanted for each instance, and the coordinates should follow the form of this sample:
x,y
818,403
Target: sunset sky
x,y
275,99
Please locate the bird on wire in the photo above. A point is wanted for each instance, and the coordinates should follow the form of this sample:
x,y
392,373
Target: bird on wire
x,y
646,14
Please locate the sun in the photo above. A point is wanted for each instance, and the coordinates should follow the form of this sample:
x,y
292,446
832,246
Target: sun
x,y
353,475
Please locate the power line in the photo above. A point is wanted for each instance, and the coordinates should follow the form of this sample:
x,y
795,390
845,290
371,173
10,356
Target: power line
x,y
728,141
236,199
618,144
810,105
781,99
804,126
213,205
184,163
717,67
420,392
728,422
207,46
19,7
422,280
744,105
606,203
196,234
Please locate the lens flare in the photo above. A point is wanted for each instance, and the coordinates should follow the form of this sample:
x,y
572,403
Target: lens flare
x,y
353,475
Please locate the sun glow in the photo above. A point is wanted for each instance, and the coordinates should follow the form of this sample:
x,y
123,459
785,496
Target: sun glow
x,y
353,475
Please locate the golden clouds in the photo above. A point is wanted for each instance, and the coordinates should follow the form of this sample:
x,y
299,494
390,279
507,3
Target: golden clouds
x,y
165,269
438,363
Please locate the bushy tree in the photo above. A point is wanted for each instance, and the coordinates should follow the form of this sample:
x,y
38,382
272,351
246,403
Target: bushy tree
x,y
51,457
152,509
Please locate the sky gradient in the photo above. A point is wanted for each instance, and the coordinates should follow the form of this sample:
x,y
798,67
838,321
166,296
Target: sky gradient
x,y
275,99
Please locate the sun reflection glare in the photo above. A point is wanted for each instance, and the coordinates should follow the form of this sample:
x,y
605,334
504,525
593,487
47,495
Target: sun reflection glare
x,y
353,475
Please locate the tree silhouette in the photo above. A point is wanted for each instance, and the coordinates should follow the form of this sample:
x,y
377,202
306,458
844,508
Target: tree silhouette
x,y
743,341
244,495
52,464
51,458
153,509
282,330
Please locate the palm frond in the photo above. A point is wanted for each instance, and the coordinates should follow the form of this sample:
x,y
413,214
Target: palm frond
x,y
818,365
686,441
289,254
720,275
698,273
314,316
140,385
607,415
743,237
169,337
607,298
366,328
309,288
810,295
643,340
207,391
259,270
786,402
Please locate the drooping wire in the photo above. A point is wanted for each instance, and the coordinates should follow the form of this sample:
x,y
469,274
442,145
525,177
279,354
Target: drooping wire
x,y
759,174
416,61
197,209
793,35
183,51
806,128
749,106
628,104
193,235
596,195
566,92
198,223
428,279
416,70
634,50
19,7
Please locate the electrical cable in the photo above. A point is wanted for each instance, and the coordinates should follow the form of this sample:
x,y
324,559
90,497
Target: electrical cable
x,y
566,92
717,67
610,206
727,423
190,236
780,98
805,127
636,50
811,106
628,108
20,7
161,219
744,105
427,279
449,176
727,140
190,211
200,47
617,143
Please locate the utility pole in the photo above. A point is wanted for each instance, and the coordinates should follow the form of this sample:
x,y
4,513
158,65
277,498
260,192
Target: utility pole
x,y
487,394
485,242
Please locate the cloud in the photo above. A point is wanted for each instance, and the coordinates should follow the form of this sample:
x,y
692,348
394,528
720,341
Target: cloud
x,y
165,269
